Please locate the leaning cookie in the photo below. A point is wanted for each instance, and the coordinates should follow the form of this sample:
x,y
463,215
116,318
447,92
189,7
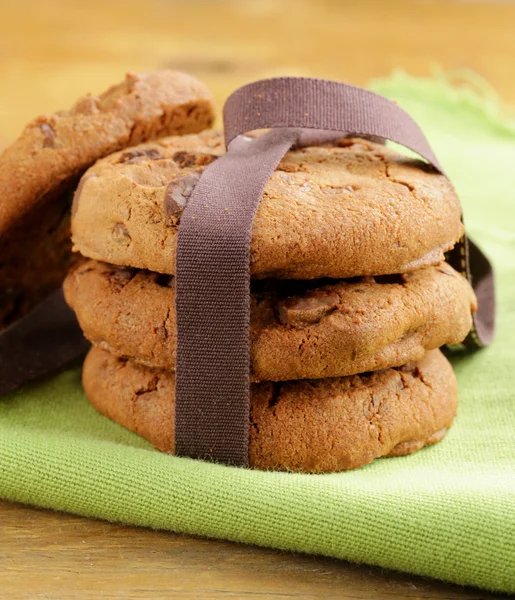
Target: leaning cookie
x,y
316,426
337,210
298,329
40,168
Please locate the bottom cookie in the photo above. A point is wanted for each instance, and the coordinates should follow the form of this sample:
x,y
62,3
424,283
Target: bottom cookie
x,y
310,426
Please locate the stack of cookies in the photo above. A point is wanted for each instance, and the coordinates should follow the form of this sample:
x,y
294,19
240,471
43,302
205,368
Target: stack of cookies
x,y
351,298
39,171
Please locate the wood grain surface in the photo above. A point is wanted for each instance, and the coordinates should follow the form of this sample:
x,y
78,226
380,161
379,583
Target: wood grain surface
x,y
54,556
55,50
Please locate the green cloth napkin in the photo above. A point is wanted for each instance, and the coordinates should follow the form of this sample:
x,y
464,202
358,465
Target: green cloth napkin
x,y
446,512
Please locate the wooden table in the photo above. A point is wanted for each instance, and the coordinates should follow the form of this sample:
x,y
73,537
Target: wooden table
x,y
53,51
55,556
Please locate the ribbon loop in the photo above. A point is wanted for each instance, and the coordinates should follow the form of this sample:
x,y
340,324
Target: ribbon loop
x,y
325,105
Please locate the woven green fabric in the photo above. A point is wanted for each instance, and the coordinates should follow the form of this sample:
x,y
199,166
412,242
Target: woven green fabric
x,y
446,512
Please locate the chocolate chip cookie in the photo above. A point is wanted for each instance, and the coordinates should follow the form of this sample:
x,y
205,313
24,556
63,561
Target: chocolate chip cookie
x,y
298,329
310,426
338,210
40,168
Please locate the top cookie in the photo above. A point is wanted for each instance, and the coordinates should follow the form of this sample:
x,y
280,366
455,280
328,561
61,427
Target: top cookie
x,y
51,154
336,210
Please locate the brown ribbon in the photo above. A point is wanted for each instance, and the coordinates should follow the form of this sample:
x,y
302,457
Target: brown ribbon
x,y
213,254
213,260
43,342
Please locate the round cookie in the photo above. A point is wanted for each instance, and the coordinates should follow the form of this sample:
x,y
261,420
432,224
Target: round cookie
x,y
316,426
40,168
298,329
337,210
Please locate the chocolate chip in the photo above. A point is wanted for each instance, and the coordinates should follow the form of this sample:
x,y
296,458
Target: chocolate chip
x,y
121,234
120,277
307,309
132,156
178,193
48,134
191,159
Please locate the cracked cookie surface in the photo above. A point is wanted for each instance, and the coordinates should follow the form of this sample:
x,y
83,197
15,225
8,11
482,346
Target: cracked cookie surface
x,y
337,210
311,426
298,329
39,169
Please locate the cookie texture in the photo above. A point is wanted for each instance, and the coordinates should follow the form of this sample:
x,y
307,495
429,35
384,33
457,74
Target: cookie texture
x,y
337,210
311,426
298,329
40,168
